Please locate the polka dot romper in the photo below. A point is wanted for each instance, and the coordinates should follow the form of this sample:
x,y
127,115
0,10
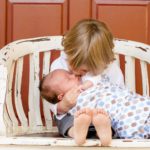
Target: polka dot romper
x,y
129,112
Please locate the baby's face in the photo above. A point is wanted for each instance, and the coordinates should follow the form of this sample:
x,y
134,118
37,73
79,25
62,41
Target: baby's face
x,y
66,80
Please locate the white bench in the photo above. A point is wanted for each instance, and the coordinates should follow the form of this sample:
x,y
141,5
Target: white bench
x,y
13,120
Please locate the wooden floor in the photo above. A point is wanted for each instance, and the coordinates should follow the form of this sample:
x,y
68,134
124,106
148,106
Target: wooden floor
x,y
18,147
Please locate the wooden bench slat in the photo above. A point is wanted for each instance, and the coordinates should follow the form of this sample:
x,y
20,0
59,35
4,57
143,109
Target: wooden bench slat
x,y
18,99
145,81
46,107
130,73
9,104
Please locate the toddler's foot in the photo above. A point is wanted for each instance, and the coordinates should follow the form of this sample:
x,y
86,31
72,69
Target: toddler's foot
x,y
82,120
102,125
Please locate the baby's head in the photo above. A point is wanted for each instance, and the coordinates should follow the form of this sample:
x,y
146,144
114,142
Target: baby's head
x,y
54,85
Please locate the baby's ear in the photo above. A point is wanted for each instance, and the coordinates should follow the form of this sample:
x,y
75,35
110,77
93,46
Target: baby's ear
x,y
60,97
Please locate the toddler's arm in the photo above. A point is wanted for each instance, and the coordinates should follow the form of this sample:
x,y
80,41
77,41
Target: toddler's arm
x,y
87,84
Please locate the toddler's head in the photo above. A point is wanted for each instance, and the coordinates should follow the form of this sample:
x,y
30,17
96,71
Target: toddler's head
x,y
88,46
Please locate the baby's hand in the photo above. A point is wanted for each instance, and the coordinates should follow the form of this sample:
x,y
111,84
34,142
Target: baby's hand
x,y
85,85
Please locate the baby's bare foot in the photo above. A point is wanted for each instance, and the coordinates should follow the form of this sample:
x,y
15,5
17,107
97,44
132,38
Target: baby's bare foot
x,y
102,125
82,120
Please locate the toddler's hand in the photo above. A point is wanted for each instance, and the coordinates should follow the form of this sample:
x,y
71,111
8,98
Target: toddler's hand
x,y
85,85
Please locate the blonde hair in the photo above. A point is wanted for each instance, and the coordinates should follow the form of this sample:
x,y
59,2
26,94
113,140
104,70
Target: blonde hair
x,y
89,43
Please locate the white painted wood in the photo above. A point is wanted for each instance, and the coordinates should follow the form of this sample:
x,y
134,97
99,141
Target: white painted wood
x,y
70,142
145,82
34,101
3,79
8,123
130,73
29,46
36,94
46,63
46,107
18,99
117,59
9,104
134,49
31,113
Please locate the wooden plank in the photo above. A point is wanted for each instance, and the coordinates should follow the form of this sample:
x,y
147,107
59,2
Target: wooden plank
x,y
130,73
117,59
18,99
36,94
126,143
46,107
145,83
9,104
8,122
134,49
34,97
3,81
25,147
31,113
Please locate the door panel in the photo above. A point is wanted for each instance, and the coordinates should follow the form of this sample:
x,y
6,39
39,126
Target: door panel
x,y
79,9
126,19
31,19
2,23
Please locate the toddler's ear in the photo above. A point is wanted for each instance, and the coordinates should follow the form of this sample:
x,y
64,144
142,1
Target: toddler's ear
x,y
60,97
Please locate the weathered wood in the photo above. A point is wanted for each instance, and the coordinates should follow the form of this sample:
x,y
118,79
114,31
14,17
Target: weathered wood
x,y
145,83
46,70
49,141
117,59
35,121
3,80
130,73
18,99
133,49
9,105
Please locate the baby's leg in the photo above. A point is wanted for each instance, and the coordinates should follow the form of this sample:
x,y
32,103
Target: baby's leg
x,y
102,125
82,120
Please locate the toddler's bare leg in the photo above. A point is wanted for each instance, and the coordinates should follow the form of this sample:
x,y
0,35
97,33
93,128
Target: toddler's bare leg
x,y
102,125
82,121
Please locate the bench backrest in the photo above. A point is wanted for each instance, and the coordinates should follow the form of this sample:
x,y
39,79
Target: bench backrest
x,y
32,57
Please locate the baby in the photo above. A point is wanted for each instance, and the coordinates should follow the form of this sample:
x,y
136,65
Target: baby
x,y
53,88
129,112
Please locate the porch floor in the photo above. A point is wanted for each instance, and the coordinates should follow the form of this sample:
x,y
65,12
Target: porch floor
x,y
24,147
55,142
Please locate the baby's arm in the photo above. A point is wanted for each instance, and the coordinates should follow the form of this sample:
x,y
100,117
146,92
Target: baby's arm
x,y
69,99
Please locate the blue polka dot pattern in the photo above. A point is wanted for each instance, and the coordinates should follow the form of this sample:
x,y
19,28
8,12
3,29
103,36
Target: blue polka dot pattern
x,y
129,112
